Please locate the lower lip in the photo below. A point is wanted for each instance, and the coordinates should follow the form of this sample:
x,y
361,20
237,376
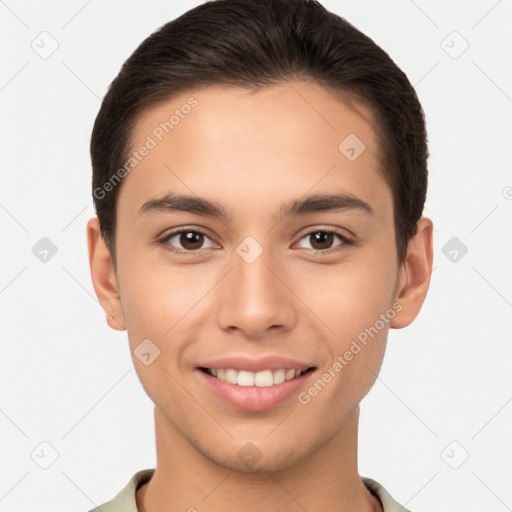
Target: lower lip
x,y
253,398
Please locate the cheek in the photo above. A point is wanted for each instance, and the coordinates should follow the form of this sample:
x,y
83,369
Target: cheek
x,y
156,294
351,306
157,302
162,302
361,320
368,295
350,297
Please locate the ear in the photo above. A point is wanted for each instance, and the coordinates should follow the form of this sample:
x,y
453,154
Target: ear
x,y
103,276
414,276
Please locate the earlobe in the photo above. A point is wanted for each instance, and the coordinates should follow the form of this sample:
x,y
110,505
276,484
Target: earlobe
x,y
414,280
103,276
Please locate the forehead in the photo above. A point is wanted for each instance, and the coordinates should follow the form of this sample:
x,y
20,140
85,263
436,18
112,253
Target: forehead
x,y
285,138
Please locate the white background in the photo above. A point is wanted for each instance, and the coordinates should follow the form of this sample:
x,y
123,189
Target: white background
x,y
68,380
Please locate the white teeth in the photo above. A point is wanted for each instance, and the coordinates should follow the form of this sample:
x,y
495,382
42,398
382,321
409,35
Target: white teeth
x,y
231,376
245,378
279,376
290,374
264,378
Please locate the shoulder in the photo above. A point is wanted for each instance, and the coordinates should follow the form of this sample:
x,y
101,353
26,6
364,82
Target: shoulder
x,y
125,500
389,504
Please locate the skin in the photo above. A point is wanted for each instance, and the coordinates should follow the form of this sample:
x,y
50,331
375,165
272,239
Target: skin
x,y
251,153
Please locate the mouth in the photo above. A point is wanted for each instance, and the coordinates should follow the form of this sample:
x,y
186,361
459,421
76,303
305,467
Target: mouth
x,y
254,383
261,379
262,390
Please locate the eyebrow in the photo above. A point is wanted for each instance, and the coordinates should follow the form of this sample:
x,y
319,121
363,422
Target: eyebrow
x,y
311,204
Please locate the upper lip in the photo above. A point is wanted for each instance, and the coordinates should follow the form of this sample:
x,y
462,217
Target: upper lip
x,y
253,364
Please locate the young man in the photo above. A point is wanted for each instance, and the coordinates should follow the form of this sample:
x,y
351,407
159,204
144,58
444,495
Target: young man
x,y
259,175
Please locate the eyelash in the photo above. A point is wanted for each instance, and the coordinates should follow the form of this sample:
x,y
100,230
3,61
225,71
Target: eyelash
x,y
344,239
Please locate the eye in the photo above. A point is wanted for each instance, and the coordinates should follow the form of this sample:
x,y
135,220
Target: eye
x,y
322,240
191,240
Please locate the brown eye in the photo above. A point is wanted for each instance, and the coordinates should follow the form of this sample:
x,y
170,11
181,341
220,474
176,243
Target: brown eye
x,y
191,240
321,240
324,240
187,240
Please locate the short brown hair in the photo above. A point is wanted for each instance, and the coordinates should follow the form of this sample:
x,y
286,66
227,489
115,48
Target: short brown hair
x,y
258,43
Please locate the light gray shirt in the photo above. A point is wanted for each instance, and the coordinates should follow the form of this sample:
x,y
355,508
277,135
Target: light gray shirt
x,y
125,501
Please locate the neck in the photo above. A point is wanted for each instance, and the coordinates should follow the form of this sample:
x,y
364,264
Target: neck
x,y
185,479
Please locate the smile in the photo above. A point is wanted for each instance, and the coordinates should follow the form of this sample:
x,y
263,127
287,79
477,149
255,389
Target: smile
x,y
261,379
255,391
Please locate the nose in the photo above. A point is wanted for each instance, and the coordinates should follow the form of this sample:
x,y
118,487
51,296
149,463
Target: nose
x,y
254,299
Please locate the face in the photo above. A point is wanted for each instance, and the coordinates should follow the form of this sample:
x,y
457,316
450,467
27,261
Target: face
x,y
259,273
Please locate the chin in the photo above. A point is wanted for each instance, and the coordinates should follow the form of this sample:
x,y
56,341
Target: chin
x,y
249,459
261,466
